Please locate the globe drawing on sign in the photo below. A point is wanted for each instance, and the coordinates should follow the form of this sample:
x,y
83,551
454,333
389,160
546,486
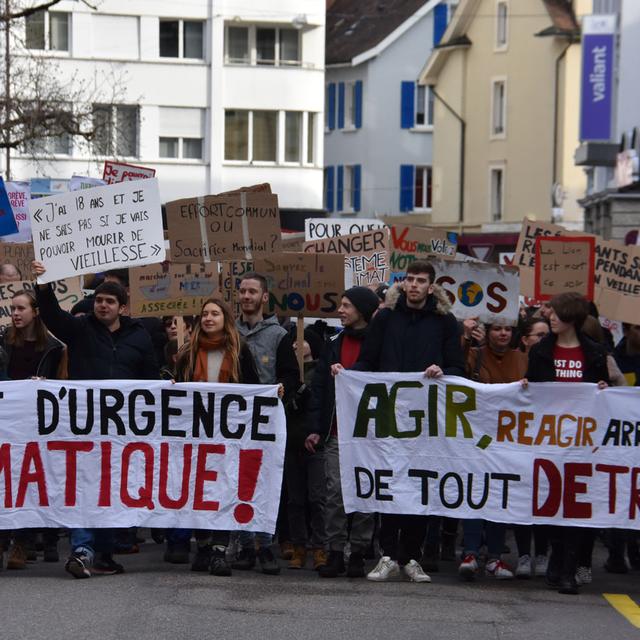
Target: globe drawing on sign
x,y
470,293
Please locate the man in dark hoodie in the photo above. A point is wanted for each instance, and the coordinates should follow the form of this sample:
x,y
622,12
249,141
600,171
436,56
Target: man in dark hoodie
x,y
357,306
417,333
101,345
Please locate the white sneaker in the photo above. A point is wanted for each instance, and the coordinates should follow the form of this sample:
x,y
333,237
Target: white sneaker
x,y
541,565
468,567
498,570
583,575
523,570
385,569
415,573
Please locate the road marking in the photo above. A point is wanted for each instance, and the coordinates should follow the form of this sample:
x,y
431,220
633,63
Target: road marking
x,y
625,606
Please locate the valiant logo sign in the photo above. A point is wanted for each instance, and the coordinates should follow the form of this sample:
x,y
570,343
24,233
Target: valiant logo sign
x,y
598,50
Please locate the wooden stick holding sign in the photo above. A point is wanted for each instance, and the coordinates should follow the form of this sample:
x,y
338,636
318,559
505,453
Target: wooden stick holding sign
x,y
300,345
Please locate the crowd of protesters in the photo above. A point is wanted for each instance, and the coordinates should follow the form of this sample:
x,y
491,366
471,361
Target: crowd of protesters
x,y
405,328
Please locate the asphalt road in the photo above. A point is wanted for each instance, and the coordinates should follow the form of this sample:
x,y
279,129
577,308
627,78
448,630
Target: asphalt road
x,y
154,600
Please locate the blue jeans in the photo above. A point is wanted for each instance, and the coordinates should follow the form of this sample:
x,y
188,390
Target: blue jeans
x,y
92,540
494,534
247,538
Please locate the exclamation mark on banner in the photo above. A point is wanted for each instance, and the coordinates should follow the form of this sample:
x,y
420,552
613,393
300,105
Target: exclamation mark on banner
x,y
249,468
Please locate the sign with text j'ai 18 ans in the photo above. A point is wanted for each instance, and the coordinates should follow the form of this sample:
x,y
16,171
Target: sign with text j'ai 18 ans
x,y
598,51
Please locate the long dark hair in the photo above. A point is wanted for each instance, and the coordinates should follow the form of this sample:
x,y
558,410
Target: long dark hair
x,y
189,351
15,337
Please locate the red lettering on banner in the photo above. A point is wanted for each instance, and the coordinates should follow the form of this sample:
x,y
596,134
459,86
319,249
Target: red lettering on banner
x,y
104,499
571,508
634,493
203,475
5,467
27,477
145,492
552,503
163,497
248,470
613,470
71,465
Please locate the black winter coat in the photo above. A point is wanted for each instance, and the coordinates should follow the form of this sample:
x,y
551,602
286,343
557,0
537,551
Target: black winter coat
x,y
248,370
404,339
95,353
542,368
50,358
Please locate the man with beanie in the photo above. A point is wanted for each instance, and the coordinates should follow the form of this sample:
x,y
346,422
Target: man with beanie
x,y
357,306
414,332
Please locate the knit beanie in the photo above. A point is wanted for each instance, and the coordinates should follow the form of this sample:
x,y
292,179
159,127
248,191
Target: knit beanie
x,y
364,300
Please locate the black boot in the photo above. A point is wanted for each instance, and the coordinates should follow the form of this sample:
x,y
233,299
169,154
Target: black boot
x,y
246,559
355,566
334,566
202,558
429,560
219,565
568,584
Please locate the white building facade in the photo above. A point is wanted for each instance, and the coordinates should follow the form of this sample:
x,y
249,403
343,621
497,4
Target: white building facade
x,y
378,120
213,94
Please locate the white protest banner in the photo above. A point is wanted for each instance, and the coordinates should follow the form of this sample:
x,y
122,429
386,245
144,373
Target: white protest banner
x,y
319,228
123,453
19,195
554,453
121,172
68,292
78,183
110,227
480,290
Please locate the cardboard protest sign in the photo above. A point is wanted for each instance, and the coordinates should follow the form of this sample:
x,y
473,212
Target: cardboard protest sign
x,y
564,264
489,292
293,242
77,183
104,453
231,272
110,227
121,172
263,187
409,244
318,228
8,225
617,278
19,254
171,289
307,284
19,195
366,255
457,448
239,226
68,292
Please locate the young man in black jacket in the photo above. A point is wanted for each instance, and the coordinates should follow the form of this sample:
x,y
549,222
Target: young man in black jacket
x,y
414,333
357,306
101,345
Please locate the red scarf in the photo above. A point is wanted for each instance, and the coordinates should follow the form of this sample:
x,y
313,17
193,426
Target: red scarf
x,y
205,345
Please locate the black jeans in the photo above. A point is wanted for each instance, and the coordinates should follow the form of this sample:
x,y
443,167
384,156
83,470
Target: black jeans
x,y
401,536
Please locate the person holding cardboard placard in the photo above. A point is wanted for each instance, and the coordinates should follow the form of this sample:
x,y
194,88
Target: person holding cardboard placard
x,y
567,355
102,345
415,332
214,353
275,359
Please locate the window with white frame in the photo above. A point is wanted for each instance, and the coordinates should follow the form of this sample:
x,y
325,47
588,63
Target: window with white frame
x,y
498,107
496,196
181,39
350,102
116,130
269,136
424,106
47,30
422,188
59,142
502,13
348,189
262,45
126,45
181,133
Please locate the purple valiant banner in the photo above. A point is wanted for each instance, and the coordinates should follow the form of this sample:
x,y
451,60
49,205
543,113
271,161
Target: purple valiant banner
x,y
598,51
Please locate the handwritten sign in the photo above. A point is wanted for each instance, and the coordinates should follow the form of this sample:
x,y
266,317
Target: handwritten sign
x,y
78,183
365,255
318,228
564,264
479,290
303,283
617,280
19,195
19,254
8,224
122,172
171,289
231,273
238,226
110,227
409,244
68,292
